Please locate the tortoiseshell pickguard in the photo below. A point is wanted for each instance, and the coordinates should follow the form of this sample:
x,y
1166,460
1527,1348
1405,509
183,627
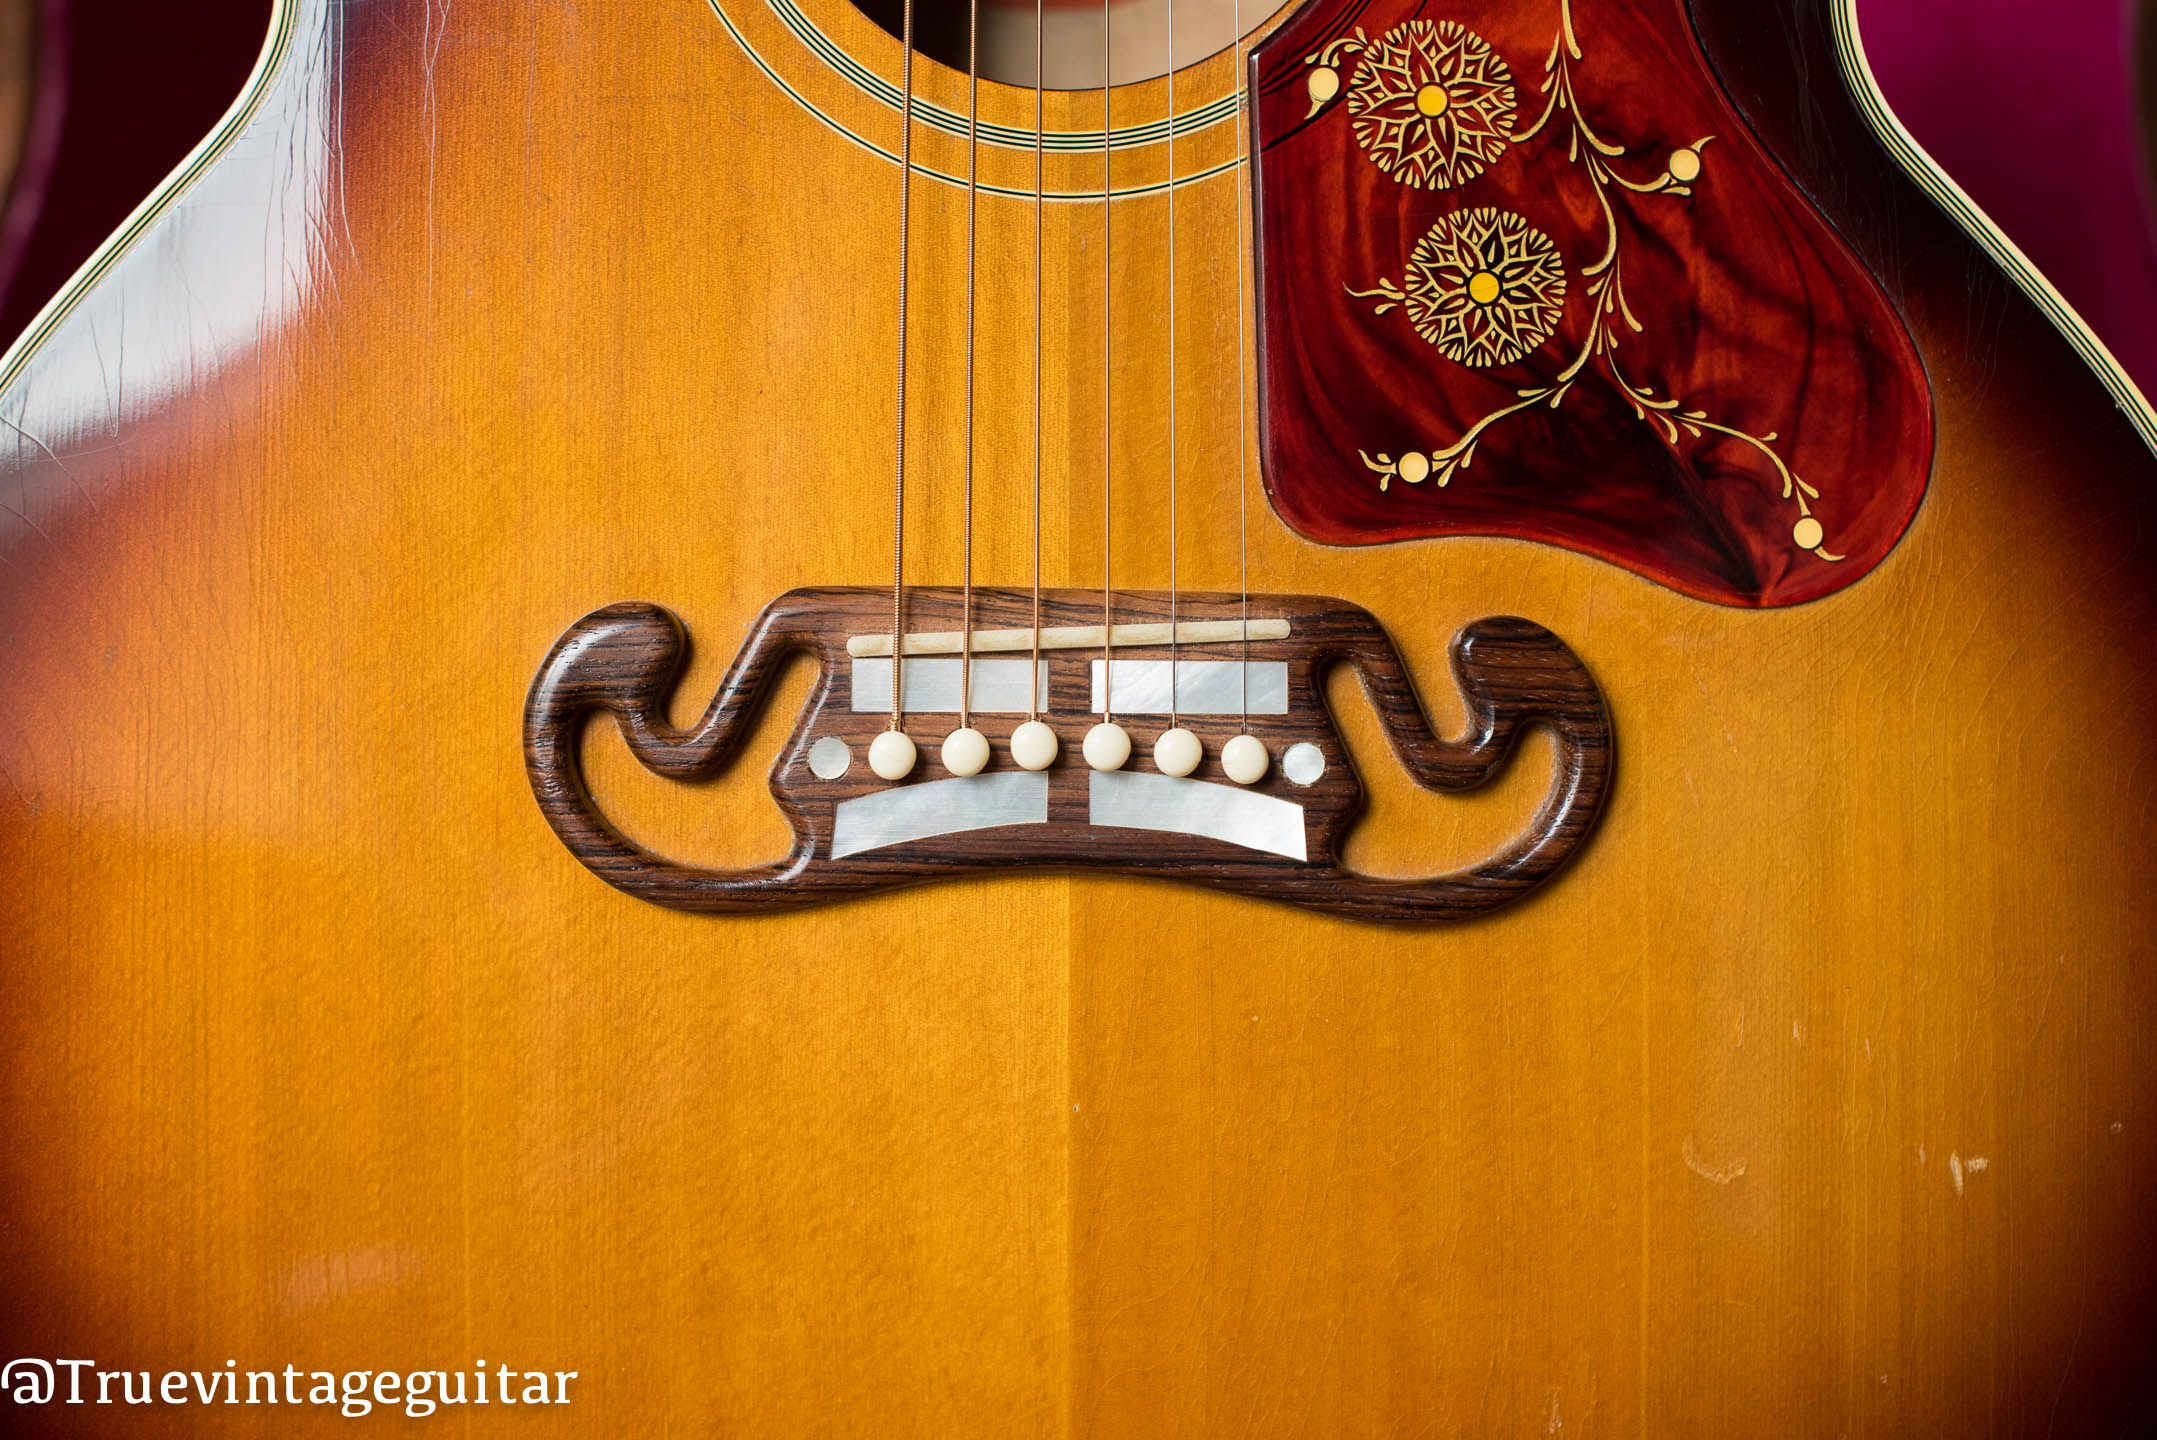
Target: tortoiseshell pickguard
x,y
1525,272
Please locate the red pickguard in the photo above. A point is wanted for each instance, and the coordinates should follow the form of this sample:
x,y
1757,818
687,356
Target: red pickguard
x,y
1661,396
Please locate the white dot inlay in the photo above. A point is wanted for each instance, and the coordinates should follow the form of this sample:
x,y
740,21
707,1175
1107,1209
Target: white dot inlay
x,y
829,758
1305,763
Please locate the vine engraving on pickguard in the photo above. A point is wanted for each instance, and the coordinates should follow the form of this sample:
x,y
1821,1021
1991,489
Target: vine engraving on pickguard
x,y
1432,106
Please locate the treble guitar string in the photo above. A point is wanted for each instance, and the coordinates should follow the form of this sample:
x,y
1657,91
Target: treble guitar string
x,y
1243,484
898,487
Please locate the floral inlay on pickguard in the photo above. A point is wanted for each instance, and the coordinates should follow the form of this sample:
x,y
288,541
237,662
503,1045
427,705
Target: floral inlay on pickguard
x,y
1432,103
1574,252
1486,287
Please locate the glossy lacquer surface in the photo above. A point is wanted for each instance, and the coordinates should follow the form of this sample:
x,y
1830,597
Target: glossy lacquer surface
x,y
320,1049
1510,233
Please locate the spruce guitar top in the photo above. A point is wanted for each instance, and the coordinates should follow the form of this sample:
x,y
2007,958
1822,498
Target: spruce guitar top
x,y
1509,646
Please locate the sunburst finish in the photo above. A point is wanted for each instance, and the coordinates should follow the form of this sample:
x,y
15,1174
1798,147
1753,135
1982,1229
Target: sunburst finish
x,y
320,1049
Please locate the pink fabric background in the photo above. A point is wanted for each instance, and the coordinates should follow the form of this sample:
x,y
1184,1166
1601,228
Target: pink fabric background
x,y
2030,105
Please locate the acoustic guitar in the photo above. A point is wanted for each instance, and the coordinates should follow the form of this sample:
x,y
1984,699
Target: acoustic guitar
x,y
738,717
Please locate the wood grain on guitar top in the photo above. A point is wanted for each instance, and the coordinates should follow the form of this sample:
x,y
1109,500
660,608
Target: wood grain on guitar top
x,y
318,1049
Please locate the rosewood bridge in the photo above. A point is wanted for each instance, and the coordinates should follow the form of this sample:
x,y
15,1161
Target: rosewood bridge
x,y
1277,834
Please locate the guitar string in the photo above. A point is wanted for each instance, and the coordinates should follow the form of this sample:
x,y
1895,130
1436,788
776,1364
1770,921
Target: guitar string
x,y
973,163
899,469
1108,439
898,486
1033,673
1243,484
1173,722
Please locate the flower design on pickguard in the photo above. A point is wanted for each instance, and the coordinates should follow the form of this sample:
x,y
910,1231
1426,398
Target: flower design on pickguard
x,y
1483,285
1440,298
1432,104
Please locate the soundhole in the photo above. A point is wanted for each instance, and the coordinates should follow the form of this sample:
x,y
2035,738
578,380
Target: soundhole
x,y
1071,48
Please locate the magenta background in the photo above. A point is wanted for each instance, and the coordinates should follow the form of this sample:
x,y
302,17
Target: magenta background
x,y
2030,106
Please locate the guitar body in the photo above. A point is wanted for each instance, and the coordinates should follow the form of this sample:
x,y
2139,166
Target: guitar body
x,y
1815,1095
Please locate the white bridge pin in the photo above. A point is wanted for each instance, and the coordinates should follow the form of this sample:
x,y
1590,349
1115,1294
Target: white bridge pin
x,y
965,751
1177,752
1245,759
891,755
1107,746
1034,746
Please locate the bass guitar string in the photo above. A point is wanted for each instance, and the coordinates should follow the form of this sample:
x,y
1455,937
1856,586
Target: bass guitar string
x,y
973,163
1033,672
1108,320
1170,80
898,485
